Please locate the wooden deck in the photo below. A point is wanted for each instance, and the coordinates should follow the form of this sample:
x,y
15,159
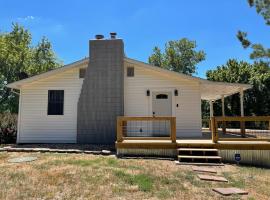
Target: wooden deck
x,y
196,143
236,139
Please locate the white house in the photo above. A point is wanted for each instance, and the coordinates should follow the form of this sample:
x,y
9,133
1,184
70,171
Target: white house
x,y
79,102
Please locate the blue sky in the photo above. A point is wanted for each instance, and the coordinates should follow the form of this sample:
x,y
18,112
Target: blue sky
x,y
142,24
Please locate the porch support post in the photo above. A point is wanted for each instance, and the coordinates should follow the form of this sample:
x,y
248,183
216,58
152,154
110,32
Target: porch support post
x,y
242,102
242,123
223,114
211,113
211,109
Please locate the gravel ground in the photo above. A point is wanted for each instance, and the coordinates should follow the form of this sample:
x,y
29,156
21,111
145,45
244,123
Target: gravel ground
x,y
90,147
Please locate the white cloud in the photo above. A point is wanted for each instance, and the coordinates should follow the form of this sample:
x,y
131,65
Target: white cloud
x,y
27,18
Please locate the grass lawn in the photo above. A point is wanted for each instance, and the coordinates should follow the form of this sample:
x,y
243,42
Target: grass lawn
x,y
81,176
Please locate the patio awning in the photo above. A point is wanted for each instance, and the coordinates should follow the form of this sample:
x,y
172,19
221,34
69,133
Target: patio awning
x,y
211,90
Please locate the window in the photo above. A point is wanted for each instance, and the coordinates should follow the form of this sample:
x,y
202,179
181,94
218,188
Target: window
x,y
162,96
130,72
55,102
82,72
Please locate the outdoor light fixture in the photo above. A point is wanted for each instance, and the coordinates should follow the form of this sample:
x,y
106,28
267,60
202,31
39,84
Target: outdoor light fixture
x,y
175,92
148,93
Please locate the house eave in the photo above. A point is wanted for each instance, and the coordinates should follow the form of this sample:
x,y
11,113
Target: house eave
x,y
235,87
19,84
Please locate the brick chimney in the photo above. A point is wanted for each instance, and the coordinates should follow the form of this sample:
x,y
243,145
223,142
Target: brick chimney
x,y
102,94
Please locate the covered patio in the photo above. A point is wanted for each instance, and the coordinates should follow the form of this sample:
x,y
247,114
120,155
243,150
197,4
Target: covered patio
x,y
213,91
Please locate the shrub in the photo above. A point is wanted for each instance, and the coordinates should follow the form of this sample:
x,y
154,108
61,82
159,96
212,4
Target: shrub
x,y
8,128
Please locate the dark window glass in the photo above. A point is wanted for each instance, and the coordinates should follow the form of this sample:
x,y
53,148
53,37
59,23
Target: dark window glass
x,y
82,72
162,96
55,102
130,71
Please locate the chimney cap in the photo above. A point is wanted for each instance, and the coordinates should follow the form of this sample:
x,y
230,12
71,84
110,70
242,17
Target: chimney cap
x,y
113,35
99,36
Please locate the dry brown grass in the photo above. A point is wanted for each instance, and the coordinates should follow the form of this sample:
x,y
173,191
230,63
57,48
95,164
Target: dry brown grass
x,y
79,176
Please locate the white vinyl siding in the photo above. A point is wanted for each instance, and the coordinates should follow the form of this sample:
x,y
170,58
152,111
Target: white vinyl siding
x,y
35,126
38,127
137,103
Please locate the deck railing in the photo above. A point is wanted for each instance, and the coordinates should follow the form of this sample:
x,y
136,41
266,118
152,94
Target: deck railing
x,y
246,128
146,128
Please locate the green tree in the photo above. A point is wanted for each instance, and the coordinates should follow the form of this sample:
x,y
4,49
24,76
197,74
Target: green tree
x,y
180,56
259,52
19,59
262,8
257,99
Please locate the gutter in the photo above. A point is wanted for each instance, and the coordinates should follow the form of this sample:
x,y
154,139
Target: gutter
x,y
13,91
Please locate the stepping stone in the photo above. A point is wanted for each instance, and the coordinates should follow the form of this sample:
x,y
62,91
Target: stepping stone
x,y
204,169
22,159
230,191
212,178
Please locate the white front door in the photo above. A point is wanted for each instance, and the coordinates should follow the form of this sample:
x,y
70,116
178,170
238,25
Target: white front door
x,y
161,106
162,103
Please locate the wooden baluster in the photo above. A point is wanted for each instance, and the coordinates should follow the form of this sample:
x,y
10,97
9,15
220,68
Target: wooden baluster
x,y
224,127
173,129
214,130
243,129
124,128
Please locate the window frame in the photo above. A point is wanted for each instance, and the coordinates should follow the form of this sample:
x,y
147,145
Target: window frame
x,y
48,103
133,72
80,69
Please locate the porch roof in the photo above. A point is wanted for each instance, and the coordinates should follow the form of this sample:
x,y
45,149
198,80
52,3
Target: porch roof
x,y
211,90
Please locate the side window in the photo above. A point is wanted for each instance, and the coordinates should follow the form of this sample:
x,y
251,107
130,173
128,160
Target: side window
x,y
55,102
130,72
82,72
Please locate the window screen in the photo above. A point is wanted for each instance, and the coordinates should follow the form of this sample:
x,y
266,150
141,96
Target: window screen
x,y
55,102
130,71
82,72
162,96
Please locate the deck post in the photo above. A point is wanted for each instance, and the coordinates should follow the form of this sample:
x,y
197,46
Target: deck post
x,y
214,130
119,129
124,128
173,129
242,123
223,115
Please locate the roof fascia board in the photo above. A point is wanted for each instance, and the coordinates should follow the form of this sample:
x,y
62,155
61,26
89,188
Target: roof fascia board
x,y
18,84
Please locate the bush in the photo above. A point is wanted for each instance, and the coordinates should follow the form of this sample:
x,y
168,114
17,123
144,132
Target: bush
x,y
8,128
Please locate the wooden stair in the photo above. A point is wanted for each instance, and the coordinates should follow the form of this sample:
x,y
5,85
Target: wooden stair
x,y
198,155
